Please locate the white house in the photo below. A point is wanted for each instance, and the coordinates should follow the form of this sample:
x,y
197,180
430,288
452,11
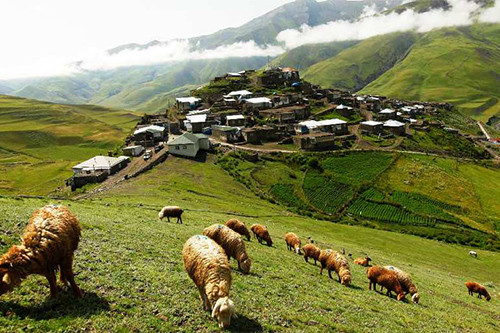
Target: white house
x,y
337,126
102,163
395,127
133,150
235,120
259,103
387,114
239,94
155,130
188,144
187,103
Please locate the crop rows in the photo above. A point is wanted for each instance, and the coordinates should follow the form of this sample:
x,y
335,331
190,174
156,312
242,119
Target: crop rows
x,y
285,194
325,194
387,212
373,194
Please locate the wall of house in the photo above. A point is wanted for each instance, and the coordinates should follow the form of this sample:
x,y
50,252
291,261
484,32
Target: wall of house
x,y
189,150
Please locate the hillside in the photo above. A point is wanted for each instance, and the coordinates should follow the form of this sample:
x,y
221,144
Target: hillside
x,y
40,142
130,269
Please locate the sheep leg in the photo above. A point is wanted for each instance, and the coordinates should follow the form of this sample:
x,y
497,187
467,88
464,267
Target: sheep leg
x,y
314,262
204,299
370,285
330,274
306,259
168,218
67,272
321,271
51,277
179,219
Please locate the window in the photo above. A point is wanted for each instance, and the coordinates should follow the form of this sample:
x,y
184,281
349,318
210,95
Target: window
x,y
177,148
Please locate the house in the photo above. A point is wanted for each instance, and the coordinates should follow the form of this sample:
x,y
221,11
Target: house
x,y
239,94
372,126
226,133
237,120
344,110
258,103
395,127
196,123
133,150
188,144
335,126
260,134
148,136
386,114
314,141
187,103
109,165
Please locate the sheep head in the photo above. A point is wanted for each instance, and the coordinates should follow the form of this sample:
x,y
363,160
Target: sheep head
x,y
488,297
245,265
415,298
224,311
269,242
346,280
297,248
7,283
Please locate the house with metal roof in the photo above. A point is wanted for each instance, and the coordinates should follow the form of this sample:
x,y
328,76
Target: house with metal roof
x,y
188,144
187,103
336,126
107,164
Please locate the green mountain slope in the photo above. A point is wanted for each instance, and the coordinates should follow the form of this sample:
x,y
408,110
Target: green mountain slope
x,y
40,142
458,65
362,63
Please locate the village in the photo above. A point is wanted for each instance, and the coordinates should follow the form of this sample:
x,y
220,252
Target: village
x,y
265,111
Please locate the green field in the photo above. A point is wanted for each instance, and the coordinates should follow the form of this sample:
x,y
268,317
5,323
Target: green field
x,y
130,268
40,142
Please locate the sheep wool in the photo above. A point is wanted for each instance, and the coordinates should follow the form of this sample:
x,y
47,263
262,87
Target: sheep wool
x,y
338,263
207,265
311,251
232,244
171,211
239,227
323,257
260,232
48,243
406,283
292,242
385,278
474,287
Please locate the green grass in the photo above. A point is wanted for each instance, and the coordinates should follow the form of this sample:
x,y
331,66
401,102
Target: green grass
x,y
42,141
130,268
326,194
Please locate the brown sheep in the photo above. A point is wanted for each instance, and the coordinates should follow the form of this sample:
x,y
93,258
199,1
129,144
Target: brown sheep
x,y
406,283
48,243
475,287
232,244
239,227
363,261
338,263
311,251
292,242
386,278
260,232
323,257
171,211
207,265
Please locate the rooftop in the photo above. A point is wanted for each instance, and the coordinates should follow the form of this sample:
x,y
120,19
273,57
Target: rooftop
x,y
257,100
190,100
235,117
150,129
199,118
371,123
100,163
393,123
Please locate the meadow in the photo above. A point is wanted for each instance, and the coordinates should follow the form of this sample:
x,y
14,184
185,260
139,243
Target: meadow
x,y
130,268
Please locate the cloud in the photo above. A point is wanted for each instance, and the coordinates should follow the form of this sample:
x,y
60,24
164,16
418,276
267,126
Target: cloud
x,y
492,14
369,26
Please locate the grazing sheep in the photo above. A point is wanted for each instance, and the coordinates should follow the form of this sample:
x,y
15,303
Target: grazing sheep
x,y
292,242
171,211
338,263
406,283
260,232
48,243
386,278
363,261
232,243
473,254
239,227
323,257
207,265
311,251
475,287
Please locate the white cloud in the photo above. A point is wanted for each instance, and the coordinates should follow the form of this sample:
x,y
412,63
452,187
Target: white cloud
x,y
492,14
366,27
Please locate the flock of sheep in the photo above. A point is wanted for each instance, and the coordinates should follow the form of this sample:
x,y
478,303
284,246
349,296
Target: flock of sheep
x,y
53,234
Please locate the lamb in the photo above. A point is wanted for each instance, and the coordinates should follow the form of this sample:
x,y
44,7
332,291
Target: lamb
x,y
323,257
239,227
311,251
363,261
292,242
232,244
473,254
406,283
475,287
386,278
171,211
337,262
207,265
48,243
260,232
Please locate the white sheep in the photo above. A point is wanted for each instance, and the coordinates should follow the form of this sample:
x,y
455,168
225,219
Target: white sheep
x,y
171,211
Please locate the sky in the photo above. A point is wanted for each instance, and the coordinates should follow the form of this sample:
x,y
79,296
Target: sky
x,y
39,35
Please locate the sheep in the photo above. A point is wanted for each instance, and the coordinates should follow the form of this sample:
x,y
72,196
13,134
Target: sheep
x,y
473,254
171,211
260,232
292,242
311,251
406,283
338,263
363,261
48,243
239,227
475,287
207,265
232,244
323,257
386,278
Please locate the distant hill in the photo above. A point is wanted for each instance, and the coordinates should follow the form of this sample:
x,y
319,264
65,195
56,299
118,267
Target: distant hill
x,y
40,141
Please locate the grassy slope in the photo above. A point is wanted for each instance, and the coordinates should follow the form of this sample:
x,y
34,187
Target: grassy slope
x,y
457,65
130,268
40,142
360,64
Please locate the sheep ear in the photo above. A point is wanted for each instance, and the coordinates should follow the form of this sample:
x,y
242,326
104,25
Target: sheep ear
x,y
215,311
6,279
